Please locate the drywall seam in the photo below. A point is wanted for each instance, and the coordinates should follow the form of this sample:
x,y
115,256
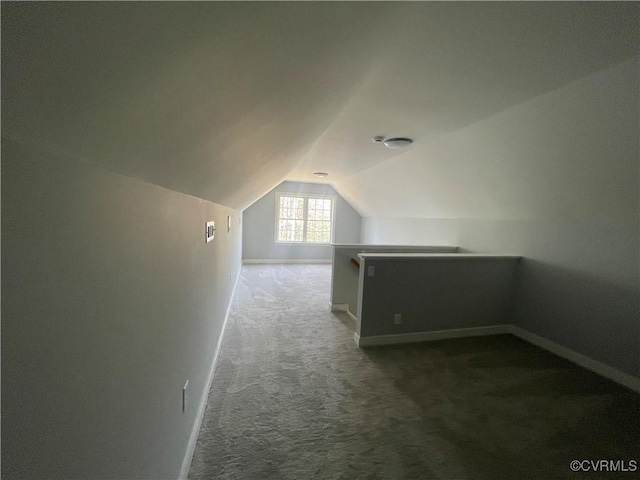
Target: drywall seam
x,y
52,151
193,440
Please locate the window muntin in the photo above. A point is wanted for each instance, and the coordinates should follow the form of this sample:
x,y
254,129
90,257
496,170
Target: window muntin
x,y
302,218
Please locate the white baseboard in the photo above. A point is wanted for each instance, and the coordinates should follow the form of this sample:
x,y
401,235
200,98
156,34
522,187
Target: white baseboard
x,y
343,308
268,261
339,307
195,431
595,366
429,336
606,371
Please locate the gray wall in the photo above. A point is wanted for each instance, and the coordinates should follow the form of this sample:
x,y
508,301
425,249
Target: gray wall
x,y
345,275
111,301
434,294
259,226
572,158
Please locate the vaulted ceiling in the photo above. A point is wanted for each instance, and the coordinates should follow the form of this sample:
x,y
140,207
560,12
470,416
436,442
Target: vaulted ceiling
x,y
225,100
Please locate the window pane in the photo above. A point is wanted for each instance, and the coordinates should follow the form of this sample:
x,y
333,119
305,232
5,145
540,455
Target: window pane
x,y
290,230
319,212
318,231
291,207
315,214
290,219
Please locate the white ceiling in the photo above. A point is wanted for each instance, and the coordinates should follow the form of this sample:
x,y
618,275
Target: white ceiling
x,y
225,100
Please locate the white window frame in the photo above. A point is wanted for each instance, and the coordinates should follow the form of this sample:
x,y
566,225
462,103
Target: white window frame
x,y
306,197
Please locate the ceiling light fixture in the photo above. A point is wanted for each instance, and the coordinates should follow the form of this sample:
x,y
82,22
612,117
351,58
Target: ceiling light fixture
x,y
398,142
395,143
321,174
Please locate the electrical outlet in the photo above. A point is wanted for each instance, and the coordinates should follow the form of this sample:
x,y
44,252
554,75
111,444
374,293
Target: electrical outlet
x,y
371,270
185,396
397,319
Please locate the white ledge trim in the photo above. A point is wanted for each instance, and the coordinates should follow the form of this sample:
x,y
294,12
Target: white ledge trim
x,y
437,256
265,261
366,246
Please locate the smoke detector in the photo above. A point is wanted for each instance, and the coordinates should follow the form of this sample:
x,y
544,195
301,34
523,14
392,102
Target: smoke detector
x,y
394,143
398,142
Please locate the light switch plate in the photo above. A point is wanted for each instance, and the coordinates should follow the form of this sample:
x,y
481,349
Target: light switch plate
x,y
209,231
185,396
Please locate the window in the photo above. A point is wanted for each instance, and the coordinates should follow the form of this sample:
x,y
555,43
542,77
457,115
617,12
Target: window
x,y
304,218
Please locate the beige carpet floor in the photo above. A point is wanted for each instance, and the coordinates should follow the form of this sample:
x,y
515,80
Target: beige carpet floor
x,y
294,398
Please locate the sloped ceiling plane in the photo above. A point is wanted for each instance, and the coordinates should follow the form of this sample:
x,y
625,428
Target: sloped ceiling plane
x,y
224,100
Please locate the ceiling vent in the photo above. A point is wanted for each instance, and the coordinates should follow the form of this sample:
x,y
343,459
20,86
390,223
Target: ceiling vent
x,y
398,142
395,142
